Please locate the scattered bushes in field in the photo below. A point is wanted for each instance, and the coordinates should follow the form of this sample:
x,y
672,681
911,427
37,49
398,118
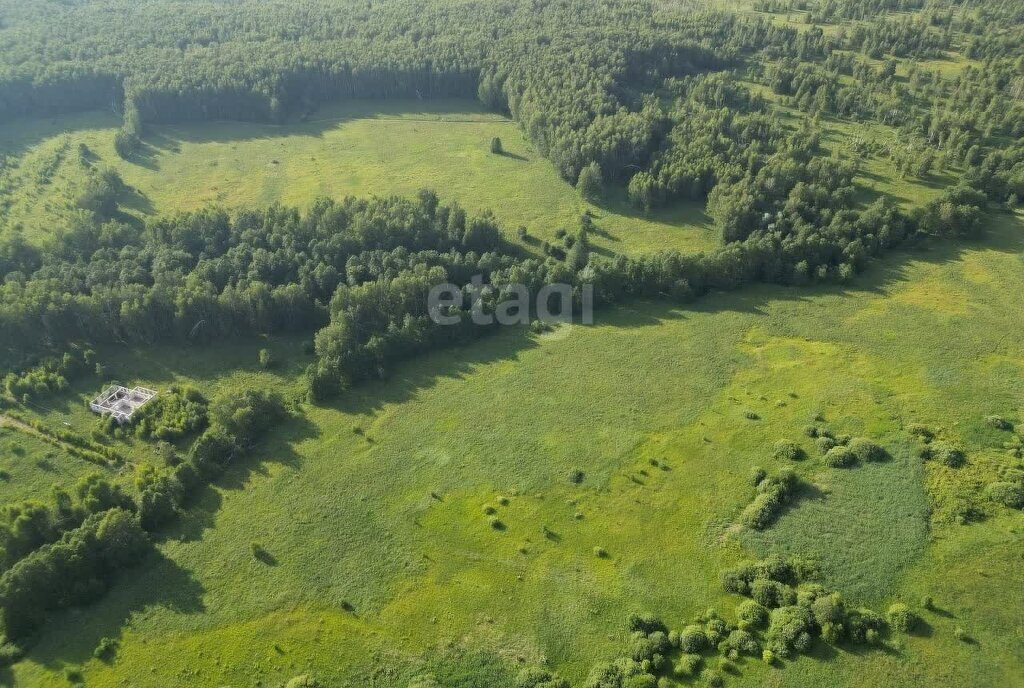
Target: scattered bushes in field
x,y
773,493
840,457
787,450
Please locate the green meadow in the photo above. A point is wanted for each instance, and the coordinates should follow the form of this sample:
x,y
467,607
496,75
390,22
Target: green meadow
x,y
384,565
361,148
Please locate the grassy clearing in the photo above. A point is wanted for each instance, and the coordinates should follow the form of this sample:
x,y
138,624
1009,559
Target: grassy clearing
x,y
360,148
382,548
29,467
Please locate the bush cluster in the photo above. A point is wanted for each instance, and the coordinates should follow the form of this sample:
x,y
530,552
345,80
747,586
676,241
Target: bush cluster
x,y
773,493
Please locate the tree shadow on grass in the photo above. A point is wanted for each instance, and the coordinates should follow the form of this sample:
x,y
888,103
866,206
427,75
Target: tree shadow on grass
x,y
67,639
513,156
275,448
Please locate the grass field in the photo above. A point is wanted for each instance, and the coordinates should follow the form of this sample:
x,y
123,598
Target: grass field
x,y
362,148
389,522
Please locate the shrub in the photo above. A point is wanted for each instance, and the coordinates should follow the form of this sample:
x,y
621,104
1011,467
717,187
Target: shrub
x,y
742,642
920,431
946,453
539,678
771,594
767,656
640,681
106,649
1006,493
811,431
304,681
867,451
787,450
266,359
825,444
9,653
713,678
773,493
687,665
902,618
496,146
757,475
647,646
716,630
752,614
863,626
600,553
999,423
693,639
790,630
832,633
829,609
489,509
751,415
840,457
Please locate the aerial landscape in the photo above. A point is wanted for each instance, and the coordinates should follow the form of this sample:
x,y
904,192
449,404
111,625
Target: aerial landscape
x,y
512,343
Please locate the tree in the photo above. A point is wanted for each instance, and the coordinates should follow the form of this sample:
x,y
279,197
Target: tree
x,y
642,191
591,183
901,618
266,359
